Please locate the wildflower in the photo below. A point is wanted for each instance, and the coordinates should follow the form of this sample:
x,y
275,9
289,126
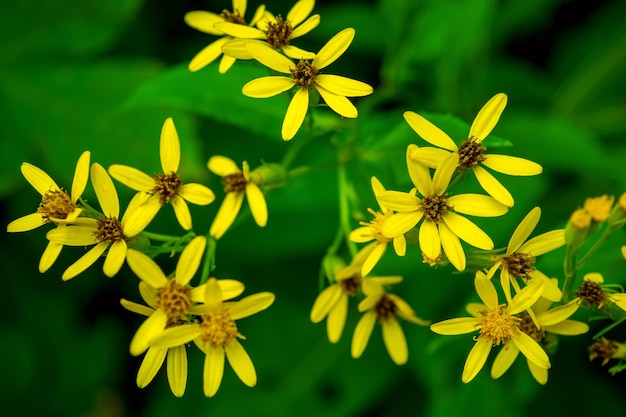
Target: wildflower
x,y
106,232
372,231
599,208
442,225
236,183
216,335
593,292
305,75
205,22
471,153
166,187
541,328
606,349
386,308
277,32
577,228
497,324
521,254
332,302
56,206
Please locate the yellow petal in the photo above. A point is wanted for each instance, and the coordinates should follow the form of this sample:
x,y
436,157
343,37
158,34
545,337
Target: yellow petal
x,y
251,304
38,178
568,328
213,296
337,319
300,11
504,360
339,104
525,298
146,269
544,243
295,113
257,204
486,291
429,132
176,336
523,230
26,223
456,326
558,314
343,86
213,370
241,363
400,223
429,240
324,302
196,194
169,147
222,166
50,254
551,289
444,172
511,165
226,214
267,86
236,48
452,247
467,231
177,370
258,15
306,26
73,235
373,258
269,57
240,6
297,53
362,234
420,175
181,210
225,63
488,117
146,332
334,48
395,342
81,175
531,350
190,259
477,205
105,191
540,374
208,54
84,261
493,187
399,201
362,333
429,156
476,360
132,177
239,31
115,258
139,213
204,21
150,366
136,307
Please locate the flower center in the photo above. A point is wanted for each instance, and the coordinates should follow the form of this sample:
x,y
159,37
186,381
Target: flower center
x,y
233,17
279,32
519,265
471,153
109,229
174,300
351,285
435,206
167,186
377,223
498,326
55,204
592,293
219,329
234,183
304,73
386,308
528,326
602,348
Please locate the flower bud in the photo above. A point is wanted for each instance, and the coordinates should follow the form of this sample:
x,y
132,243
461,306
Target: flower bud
x,y
269,175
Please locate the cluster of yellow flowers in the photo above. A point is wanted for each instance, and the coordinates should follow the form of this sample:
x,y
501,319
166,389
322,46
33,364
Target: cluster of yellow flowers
x,y
431,212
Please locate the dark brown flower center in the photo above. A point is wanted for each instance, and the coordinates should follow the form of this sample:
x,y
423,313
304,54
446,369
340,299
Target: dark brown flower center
x,y
279,32
109,229
234,17
471,153
528,326
435,206
55,204
351,285
234,183
304,74
167,186
602,348
174,300
386,308
593,294
519,265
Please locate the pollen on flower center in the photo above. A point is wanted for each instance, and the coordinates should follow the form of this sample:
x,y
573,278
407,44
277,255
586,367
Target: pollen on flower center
x,y
304,74
233,17
376,224
528,326
498,326
351,285
471,153
279,32
109,229
593,294
435,206
234,182
167,186
218,329
55,204
175,300
386,308
519,265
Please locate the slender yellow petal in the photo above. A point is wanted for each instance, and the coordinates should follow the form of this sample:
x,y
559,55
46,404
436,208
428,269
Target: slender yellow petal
x,y
251,304
420,175
334,48
429,156
204,21
300,11
190,259
36,177
147,331
504,360
493,187
551,290
444,172
294,52
26,223
511,165
505,281
258,15
373,258
208,54
181,210
531,350
85,261
523,230
239,31
222,166
150,366
73,235
240,6
540,374
558,314
488,117
177,370
461,325
132,177
139,213
213,296
295,113
196,194
525,298
81,175
308,25
362,333
256,201
176,336
339,104
568,328
337,319
362,234
146,269
467,231
226,214
50,254
267,86
105,191
225,63
213,370
269,57
429,132
241,363
399,201
452,247
136,307
149,294
475,309
343,86
429,240
476,360
115,258
325,302
486,291
544,243
236,49
399,245
400,223
477,205
169,148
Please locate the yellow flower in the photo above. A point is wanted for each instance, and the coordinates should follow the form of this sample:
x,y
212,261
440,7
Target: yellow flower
x,y
599,208
471,153
384,308
305,75
551,322
521,255
497,324
332,302
595,293
56,206
276,31
442,226
106,232
166,187
372,231
236,183
205,22
216,335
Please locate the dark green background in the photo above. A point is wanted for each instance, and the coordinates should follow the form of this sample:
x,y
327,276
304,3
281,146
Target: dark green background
x,y
103,75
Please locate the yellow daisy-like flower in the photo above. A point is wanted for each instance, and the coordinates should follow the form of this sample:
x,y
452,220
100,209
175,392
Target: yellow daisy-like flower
x,y
236,183
334,89
216,335
599,208
277,32
384,308
332,302
372,231
205,22
497,324
595,293
551,322
106,232
167,187
442,226
521,254
56,206
471,153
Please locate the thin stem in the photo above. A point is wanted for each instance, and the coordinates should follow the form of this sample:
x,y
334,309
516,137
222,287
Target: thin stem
x,y
209,259
344,211
570,269
596,246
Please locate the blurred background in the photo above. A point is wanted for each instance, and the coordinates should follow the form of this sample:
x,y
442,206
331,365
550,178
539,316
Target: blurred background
x,y
103,75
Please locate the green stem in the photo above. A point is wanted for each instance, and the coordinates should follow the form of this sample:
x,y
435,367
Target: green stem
x,y
596,246
570,269
344,211
209,259
167,238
